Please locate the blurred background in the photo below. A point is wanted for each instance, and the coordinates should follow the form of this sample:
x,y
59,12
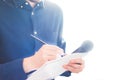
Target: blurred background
x,y
98,21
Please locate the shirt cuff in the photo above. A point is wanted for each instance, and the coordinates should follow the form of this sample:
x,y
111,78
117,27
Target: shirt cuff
x,y
13,70
66,74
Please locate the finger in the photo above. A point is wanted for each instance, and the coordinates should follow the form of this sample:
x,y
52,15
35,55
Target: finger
x,y
53,49
76,66
77,61
49,58
74,70
51,53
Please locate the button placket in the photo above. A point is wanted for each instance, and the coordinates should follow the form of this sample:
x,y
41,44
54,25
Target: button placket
x,y
35,26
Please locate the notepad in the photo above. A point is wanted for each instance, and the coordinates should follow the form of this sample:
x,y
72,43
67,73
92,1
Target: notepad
x,y
53,68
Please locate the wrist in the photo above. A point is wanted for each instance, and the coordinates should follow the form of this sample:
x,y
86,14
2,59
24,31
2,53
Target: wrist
x,y
28,64
32,63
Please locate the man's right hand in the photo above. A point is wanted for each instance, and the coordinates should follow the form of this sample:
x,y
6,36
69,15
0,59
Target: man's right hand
x,y
44,54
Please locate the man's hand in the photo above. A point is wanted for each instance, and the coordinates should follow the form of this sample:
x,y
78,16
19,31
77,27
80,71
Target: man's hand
x,y
75,65
44,54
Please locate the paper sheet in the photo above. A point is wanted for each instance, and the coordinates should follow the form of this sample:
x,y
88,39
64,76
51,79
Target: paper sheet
x,y
53,68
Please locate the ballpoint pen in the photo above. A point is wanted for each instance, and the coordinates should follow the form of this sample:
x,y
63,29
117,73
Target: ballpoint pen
x,y
43,42
38,39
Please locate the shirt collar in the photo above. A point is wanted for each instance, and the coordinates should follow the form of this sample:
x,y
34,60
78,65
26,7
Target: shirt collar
x,y
20,2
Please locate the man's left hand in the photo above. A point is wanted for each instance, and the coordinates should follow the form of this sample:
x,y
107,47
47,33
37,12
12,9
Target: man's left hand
x,y
75,65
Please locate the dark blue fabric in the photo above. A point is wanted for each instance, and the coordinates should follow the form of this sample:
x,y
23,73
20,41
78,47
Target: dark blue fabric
x,y
18,20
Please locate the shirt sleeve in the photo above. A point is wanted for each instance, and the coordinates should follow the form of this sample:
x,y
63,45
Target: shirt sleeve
x,y
61,43
12,70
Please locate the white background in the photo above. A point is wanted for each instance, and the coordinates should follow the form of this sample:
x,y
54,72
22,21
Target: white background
x,y
98,21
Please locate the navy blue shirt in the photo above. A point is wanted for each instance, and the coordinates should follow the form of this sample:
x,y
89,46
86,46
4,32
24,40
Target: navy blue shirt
x,y
18,20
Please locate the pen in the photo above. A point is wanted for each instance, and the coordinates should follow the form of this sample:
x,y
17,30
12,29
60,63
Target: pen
x,y
38,39
43,42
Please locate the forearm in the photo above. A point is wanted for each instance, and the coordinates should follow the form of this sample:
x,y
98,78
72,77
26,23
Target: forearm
x,y
31,63
27,65
12,70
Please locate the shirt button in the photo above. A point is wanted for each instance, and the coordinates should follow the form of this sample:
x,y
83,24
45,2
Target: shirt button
x,y
38,4
32,13
35,32
26,3
21,6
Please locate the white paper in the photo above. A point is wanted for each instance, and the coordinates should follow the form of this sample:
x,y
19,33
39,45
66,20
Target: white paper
x,y
53,68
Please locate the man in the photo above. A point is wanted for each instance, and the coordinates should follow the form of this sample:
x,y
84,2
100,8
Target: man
x,y
20,53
